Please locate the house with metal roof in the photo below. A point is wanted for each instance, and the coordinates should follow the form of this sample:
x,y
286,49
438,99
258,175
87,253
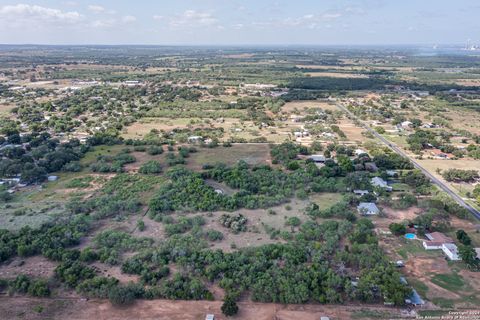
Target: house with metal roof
x,y
380,183
368,209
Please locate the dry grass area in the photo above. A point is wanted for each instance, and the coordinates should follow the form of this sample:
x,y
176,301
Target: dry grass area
x,y
253,154
79,309
109,271
337,75
36,267
5,109
299,106
139,129
465,164
256,234
353,132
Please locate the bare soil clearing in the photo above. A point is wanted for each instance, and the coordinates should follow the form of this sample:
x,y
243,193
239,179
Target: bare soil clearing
x,y
36,267
80,309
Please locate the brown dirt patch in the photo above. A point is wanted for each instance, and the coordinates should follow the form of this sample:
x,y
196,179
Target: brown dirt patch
x,y
422,268
395,215
35,267
337,75
79,309
114,272
301,105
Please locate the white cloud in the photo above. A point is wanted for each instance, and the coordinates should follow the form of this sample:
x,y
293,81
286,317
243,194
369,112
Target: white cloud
x,y
158,17
331,16
238,26
192,18
129,19
96,8
24,13
103,23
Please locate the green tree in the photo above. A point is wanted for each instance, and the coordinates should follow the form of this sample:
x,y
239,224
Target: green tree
x,y
229,306
397,228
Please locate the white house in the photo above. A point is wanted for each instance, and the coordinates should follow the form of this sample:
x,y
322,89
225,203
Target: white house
x,y
435,241
406,124
359,192
359,152
368,209
194,139
451,250
318,158
380,183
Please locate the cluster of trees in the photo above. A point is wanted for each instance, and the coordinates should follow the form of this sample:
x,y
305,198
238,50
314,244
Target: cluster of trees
x,y
467,251
106,163
237,223
286,152
416,179
339,210
119,196
23,284
460,175
50,240
110,244
404,201
151,167
422,139
35,155
300,271
258,187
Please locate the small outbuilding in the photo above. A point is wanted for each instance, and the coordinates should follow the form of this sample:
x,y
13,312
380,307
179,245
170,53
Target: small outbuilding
x,y
318,158
360,193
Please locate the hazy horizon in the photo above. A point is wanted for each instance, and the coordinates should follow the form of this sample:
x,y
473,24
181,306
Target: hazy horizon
x,y
234,23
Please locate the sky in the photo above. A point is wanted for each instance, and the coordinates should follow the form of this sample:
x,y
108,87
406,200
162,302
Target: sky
x,y
240,22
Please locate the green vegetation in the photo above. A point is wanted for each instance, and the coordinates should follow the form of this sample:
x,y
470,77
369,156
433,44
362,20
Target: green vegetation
x,y
452,282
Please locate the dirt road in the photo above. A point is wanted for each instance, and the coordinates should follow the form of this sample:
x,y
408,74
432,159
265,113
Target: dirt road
x,y
80,309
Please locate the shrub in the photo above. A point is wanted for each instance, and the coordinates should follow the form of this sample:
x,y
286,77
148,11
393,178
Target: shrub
x,y
39,288
154,150
229,306
151,167
123,295
214,235
397,228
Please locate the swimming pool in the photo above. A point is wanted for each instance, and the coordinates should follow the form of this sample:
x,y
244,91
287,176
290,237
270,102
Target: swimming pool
x,y
410,236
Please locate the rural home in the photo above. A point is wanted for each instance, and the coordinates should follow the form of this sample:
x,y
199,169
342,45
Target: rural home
x,y
195,139
451,250
392,173
380,183
367,209
360,192
359,152
318,158
440,155
435,241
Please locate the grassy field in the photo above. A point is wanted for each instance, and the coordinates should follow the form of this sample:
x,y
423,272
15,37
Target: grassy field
x,y
251,153
326,200
452,282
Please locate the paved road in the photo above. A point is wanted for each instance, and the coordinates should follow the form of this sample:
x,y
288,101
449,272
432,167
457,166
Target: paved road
x,y
434,180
